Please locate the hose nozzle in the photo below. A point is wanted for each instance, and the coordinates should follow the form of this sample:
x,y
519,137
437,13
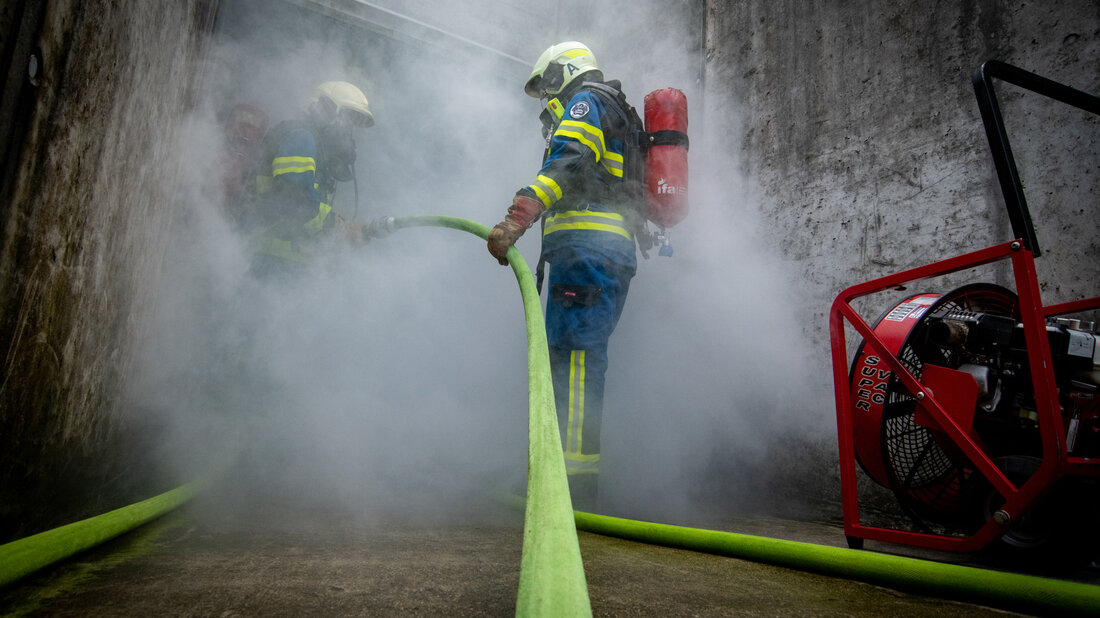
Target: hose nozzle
x,y
381,227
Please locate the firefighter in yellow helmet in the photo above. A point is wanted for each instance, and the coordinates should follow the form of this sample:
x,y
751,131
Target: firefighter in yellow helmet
x,y
589,226
300,164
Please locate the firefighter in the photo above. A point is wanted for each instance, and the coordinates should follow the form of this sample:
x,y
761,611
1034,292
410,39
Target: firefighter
x,y
300,164
588,241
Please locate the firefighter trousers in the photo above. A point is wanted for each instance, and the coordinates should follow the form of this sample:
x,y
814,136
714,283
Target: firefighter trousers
x,y
586,298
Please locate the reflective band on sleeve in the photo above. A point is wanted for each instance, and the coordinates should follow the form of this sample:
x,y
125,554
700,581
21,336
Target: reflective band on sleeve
x,y
584,133
316,223
292,165
539,193
547,190
587,220
551,184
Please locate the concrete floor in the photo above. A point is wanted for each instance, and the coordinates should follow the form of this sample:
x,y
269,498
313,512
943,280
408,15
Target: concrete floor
x,y
267,562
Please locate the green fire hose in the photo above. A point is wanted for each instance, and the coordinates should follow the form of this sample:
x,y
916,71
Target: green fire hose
x,y
995,588
27,555
551,573
552,581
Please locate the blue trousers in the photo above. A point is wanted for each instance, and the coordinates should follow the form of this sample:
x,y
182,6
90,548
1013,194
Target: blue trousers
x,y
586,299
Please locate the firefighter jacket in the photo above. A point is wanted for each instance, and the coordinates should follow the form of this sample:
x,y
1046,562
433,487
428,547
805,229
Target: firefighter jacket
x,y
590,246
293,192
581,181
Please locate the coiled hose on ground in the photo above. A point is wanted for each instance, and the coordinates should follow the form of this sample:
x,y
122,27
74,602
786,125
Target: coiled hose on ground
x,y
552,581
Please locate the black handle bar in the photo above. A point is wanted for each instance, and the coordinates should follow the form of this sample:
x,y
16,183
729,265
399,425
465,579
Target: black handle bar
x,y
1018,213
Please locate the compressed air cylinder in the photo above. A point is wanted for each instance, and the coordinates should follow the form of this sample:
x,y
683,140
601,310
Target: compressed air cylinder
x,y
666,174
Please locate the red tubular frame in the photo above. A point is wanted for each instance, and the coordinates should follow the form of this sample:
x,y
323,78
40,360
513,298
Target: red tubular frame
x,y
1055,464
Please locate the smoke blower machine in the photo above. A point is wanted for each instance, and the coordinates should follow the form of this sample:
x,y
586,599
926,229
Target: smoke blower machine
x,y
978,408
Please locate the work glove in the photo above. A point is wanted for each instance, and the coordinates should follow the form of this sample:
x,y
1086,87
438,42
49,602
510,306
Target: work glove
x,y
522,214
354,233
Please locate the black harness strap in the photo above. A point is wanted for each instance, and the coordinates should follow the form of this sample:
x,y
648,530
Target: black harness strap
x,y
668,138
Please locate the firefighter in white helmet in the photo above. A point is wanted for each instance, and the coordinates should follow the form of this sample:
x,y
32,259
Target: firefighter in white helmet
x,y
300,164
588,239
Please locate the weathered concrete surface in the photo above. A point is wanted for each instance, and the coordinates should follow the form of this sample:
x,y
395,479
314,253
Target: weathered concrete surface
x,y
863,107
83,236
863,140
92,193
198,563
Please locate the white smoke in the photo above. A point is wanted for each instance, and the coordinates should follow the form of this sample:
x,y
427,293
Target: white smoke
x,y
394,380
712,404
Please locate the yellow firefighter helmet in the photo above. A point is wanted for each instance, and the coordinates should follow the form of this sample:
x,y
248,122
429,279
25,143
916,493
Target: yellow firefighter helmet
x,y
341,101
557,67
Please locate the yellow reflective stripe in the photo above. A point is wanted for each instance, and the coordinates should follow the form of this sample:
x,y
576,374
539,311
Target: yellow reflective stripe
x,y
573,53
577,462
551,184
574,214
547,190
317,222
581,464
593,138
582,138
586,220
291,165
613,163
539,193
595,227
584,133
575,426
280,248
569,471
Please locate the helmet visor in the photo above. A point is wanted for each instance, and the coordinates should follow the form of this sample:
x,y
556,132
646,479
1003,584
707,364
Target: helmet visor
x,y
355,118
533,87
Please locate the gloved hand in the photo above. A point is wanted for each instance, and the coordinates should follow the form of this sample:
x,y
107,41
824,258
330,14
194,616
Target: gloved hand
x,y
522,214
354,233
502,237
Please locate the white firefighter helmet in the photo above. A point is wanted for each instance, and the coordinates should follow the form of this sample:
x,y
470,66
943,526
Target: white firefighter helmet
x,y
341,101
558,66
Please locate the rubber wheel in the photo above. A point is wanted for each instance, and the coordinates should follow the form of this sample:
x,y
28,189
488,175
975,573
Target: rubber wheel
x,y
1058,534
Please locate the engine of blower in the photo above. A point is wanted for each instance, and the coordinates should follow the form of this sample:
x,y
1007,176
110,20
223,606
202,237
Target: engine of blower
x,y
968,349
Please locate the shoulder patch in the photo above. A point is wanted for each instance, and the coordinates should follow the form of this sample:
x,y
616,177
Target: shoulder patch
x,y
579,110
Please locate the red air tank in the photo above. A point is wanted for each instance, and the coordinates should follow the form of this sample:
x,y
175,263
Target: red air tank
x,y
666,172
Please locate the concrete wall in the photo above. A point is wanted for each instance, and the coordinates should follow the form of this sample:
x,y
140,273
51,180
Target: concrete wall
x,y
864,143
92,164
83,237
854,124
